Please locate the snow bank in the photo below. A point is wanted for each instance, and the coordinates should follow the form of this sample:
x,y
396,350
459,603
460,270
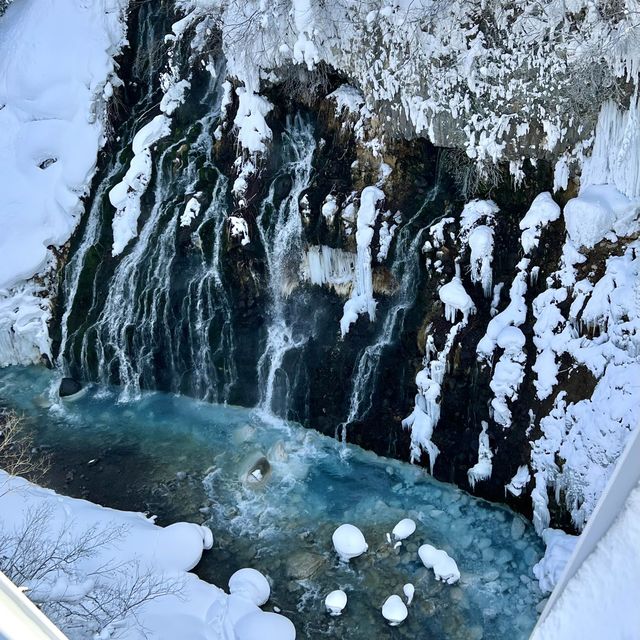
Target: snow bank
x,y
601,333
53,87
559,547
136,549
601,600
597,211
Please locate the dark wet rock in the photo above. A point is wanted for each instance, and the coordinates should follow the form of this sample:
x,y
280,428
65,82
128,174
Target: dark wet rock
x,y
69,387
302,565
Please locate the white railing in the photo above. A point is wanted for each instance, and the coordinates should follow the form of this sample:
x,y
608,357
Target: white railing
x,y
624,479
20,619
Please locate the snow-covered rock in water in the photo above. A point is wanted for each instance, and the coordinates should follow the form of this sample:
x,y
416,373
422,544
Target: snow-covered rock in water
x,y
403,529
335,602
250,584
597,211
455,298
264,626
560,546
409,591
443,565
349,542
394,611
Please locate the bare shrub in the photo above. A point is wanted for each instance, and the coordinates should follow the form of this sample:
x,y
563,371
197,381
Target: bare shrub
x,y
18,455
50,562
470,177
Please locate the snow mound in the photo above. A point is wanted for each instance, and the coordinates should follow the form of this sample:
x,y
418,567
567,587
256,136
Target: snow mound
x,y
560,546
349,542
443,565
394,611
542,211
596,212
455,298
404,529
335,602
250,584
264,626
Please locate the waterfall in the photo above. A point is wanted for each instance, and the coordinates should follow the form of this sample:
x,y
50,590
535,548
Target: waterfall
x,y
206,302
406,271
160,317
280,228
74,268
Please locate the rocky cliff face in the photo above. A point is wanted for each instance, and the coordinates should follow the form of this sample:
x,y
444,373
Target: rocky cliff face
x,y
359,233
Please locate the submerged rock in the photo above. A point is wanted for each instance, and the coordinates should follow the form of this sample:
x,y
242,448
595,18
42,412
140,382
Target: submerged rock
x,y
256,471
302,565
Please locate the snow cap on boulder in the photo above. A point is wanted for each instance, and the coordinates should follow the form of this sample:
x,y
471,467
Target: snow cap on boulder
x,y
394,611
251,585
349,542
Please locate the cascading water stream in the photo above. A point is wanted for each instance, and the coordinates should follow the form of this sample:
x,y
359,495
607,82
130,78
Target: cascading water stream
x,y
160,316
280,228
406,271
206,298
73,269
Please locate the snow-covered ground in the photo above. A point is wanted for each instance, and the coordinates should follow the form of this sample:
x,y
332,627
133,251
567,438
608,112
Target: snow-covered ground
x,y
54,85
113,559
601,600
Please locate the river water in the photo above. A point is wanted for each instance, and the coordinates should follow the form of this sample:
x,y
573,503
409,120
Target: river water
x,y
182,458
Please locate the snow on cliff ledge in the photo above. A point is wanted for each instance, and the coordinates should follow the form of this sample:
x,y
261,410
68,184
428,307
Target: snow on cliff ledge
x,y
56,64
